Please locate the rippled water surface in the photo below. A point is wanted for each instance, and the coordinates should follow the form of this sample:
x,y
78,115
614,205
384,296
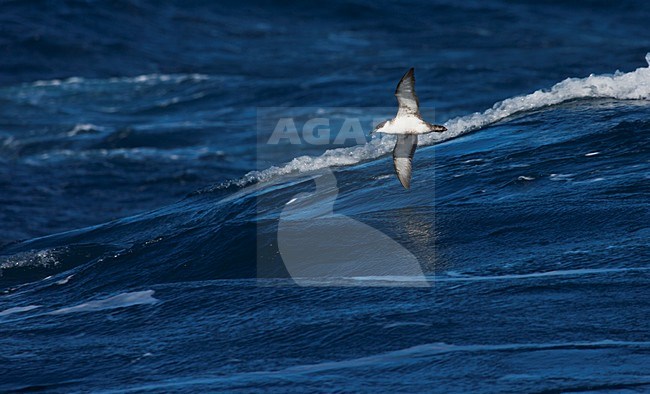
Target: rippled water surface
x,y
139,207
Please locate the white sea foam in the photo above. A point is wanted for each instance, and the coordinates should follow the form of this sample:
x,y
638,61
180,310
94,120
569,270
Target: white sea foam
x,y
387,278
407,324
633,85
83,128
119,301
141,79
41,258
65,280
561,177
18,309
455,277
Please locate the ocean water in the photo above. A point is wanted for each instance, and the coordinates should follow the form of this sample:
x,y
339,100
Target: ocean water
x,y
152,241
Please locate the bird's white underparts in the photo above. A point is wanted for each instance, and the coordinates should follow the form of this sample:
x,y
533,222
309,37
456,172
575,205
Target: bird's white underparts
x,y
407,125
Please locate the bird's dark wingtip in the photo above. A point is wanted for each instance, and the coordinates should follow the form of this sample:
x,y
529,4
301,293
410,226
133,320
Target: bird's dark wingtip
x,y
408,74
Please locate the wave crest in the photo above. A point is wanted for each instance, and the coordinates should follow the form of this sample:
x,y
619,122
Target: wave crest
x,y
633,85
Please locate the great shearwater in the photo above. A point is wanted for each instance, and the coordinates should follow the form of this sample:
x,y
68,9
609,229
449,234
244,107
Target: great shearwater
x,y
407,125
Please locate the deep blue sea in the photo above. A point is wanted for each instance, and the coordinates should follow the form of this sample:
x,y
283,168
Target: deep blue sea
x,y
152,240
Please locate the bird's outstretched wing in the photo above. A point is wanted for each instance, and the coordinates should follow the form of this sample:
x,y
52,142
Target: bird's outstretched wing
x,y
403,157
406,97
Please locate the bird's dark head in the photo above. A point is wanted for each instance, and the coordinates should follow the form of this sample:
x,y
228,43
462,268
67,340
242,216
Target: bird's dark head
x,y
436,128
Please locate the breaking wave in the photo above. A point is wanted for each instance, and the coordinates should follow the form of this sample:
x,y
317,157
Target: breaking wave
x,y
634,85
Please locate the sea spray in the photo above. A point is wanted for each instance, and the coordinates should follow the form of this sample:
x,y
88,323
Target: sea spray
x,y
634,85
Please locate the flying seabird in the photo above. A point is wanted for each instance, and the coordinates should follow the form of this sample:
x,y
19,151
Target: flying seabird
x,y
406,125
